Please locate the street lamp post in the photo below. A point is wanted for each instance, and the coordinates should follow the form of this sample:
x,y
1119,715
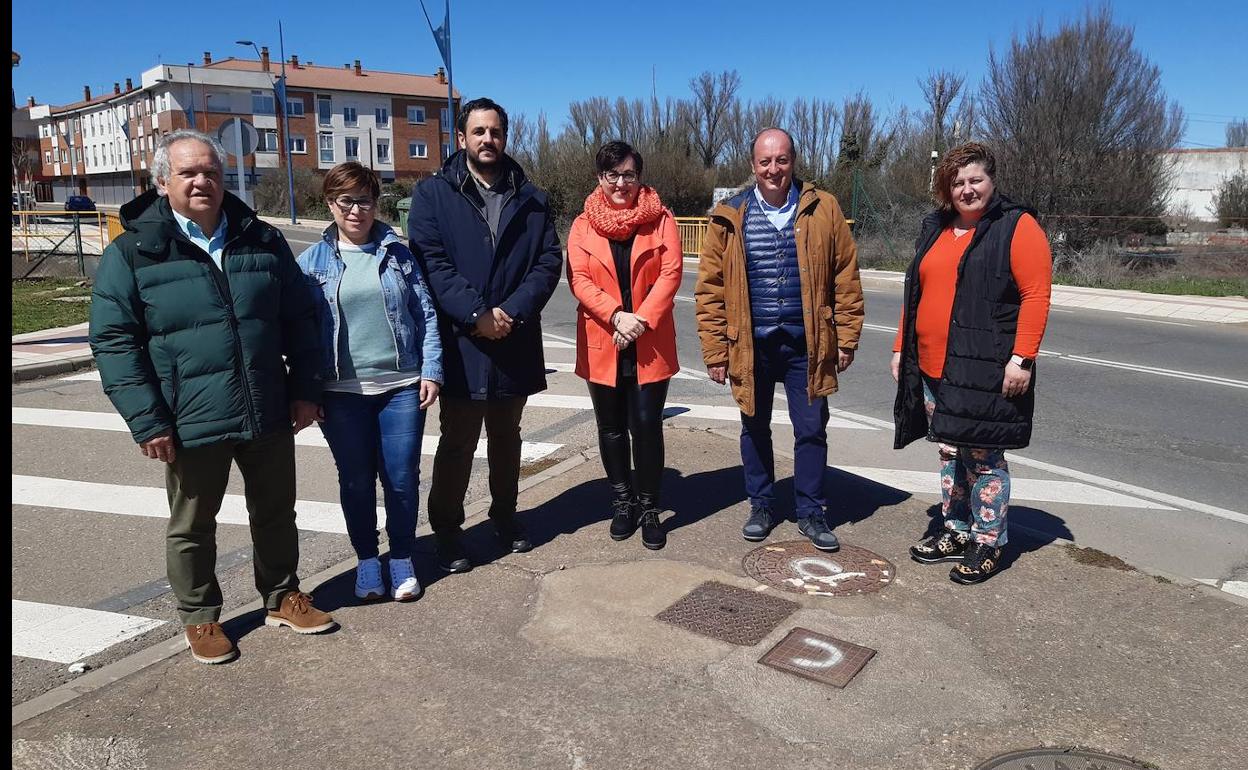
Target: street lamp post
x,y
279,94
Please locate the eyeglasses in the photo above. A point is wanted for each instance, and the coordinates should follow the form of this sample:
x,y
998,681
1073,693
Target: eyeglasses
x,y
345,204
628,177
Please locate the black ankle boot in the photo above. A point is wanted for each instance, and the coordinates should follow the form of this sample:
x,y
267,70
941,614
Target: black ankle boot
x,y
652,534
623,514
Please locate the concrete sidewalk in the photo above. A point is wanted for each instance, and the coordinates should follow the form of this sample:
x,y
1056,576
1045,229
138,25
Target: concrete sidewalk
x,y
50,351
1222,310
555,658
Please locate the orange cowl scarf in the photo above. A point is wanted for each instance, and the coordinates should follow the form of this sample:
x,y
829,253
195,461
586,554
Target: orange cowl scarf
x,y
618,224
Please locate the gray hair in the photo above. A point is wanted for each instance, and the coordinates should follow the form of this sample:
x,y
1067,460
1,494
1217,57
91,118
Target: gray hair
x,y
160,163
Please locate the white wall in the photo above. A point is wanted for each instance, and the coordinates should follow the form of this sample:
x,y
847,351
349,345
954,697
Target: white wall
x,y
1198,173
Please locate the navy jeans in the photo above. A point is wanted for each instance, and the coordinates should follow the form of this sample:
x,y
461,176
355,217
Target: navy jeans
x,y
780,358
371,435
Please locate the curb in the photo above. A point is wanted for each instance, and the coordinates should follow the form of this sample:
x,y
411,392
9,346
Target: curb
x,y
145,658
40,369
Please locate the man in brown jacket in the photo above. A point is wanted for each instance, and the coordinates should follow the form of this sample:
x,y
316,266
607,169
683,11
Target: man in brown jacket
x,y
779,301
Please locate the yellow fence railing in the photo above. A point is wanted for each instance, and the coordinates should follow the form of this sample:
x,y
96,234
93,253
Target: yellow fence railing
x,y
693,230
52,231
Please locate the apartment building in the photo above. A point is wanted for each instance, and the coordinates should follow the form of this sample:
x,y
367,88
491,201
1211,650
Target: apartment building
x,y
102,146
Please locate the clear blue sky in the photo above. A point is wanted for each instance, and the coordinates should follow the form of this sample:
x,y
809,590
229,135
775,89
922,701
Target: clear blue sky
x,y
538,56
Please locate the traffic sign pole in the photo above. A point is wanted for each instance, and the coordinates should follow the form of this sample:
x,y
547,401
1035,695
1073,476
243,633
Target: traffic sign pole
x,y
238,160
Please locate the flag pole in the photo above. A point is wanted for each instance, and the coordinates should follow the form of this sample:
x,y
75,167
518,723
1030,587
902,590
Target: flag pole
x,y
442,36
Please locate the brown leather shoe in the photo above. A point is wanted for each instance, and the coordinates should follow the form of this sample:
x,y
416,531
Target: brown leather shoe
x,y
209,644
297,612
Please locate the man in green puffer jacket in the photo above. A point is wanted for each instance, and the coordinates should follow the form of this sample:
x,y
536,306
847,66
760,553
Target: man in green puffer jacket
x,y
205,336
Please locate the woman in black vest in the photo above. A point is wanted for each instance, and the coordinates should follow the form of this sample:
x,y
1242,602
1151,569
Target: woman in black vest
x,y
976,304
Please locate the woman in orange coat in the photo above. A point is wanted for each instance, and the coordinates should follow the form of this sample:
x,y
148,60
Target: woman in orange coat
x,y
625,265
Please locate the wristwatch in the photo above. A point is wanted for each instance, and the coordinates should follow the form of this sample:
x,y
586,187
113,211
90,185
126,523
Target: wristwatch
x,y
1022,363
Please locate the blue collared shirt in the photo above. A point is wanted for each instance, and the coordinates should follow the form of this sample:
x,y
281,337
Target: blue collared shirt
x,y
214,245
778,216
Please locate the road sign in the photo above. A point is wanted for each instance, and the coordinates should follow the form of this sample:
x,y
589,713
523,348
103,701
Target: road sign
x,y
235,134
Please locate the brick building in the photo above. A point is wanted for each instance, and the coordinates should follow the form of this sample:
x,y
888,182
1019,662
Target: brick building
x,y
102,146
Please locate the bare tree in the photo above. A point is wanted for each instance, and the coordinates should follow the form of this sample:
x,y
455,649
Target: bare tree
x,y
1237,133
1080,123
708,117
940,89
815,126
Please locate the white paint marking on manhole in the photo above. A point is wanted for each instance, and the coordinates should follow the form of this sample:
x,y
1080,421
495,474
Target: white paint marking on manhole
x,y
832,655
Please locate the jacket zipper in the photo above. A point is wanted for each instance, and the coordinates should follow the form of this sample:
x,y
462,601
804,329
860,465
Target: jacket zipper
x,y
227,296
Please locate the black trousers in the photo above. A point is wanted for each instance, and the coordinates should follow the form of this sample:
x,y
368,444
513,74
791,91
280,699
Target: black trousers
x,y
460,423
636,410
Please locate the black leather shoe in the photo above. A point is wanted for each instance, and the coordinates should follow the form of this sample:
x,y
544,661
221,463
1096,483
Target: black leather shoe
x,y
815,527
652,534
511,535
946,545
623,518
451,555
759,525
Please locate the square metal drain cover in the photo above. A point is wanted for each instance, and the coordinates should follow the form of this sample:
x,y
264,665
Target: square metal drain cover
x,y
728,613
815,656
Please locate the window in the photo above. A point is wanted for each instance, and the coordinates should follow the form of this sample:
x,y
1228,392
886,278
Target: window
x,y
417,150
327,148
294,108
353,148
268,140
446,119
383,115
383,150
56,154
262,103
47,157
446,150
299,145
324,111
350,117
415,114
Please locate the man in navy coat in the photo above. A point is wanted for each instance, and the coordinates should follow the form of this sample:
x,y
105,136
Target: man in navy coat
x,y
488,244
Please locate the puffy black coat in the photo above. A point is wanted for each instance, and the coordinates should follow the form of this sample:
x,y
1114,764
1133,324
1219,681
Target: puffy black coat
x,y
970,410
469,275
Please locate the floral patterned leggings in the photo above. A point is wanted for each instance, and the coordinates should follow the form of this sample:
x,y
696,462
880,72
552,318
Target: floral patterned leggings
x,y
974,487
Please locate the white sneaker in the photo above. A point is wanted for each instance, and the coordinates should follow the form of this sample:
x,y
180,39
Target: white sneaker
x,y
403,580
368,583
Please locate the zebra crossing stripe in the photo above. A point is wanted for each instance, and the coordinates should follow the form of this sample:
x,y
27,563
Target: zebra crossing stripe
x,y
153,503
530,451
694,411
1045,490
67,634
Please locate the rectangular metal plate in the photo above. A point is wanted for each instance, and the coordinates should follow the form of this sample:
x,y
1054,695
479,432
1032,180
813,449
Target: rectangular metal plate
x,y
728,613
818,657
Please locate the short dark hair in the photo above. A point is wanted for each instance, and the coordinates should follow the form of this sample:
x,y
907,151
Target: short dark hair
x,y
613,154
787,135
349,176
461,120
957,158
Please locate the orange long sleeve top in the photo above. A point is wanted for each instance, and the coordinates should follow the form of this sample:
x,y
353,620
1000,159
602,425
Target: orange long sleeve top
x,y
1031,264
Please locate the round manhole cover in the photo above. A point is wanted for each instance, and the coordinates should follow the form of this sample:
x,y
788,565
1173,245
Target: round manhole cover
x,y
1059,759
799,567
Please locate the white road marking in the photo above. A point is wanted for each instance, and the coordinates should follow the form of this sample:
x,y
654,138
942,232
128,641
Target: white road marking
x,y
68,634
881,328
1208,379
530,451
1237,587
694,411
560,366
1044,490
1167,323
153,503
1148,494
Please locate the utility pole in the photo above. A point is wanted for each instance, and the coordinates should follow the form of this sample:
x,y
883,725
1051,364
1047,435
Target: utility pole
x,y
290,170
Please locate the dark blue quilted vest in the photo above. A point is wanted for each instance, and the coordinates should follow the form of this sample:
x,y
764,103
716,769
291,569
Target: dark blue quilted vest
x,y
771,266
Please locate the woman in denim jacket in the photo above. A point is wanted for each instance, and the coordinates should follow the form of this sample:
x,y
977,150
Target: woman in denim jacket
x,y
382,366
